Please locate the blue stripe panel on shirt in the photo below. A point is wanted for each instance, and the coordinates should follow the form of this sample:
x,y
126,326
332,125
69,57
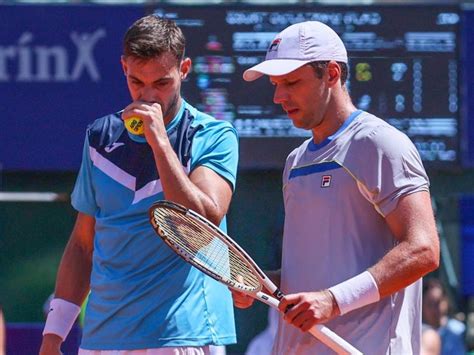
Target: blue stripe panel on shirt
x,y
312,169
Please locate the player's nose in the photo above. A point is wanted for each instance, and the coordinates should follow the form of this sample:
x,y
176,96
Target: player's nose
x,y
148,94
280,95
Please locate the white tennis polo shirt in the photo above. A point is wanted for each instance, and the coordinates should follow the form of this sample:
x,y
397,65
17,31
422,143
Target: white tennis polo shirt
x,y
336,195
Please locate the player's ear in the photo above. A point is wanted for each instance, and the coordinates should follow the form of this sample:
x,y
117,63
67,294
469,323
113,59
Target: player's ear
x,y
185,67
334,72
124,65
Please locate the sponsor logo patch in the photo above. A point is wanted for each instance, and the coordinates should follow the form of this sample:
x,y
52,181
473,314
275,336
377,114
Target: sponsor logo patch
x,y
274,45
326,181
113,146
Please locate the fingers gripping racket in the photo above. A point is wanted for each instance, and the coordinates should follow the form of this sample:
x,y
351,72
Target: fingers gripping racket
x,y
205,246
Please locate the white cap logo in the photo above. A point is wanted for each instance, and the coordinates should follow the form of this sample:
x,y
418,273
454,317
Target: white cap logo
x,y
274,45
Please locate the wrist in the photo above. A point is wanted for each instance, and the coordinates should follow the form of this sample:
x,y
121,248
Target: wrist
x,y
160,146
357,292
335,307
61,317
52,339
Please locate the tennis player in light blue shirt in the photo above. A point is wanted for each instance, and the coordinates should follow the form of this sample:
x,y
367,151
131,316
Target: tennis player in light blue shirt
x,y
142,296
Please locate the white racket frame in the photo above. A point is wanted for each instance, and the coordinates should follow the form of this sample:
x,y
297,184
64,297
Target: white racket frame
x,y
319,331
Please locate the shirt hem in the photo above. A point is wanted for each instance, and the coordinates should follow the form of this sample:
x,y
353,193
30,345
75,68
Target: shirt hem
x,y
162,343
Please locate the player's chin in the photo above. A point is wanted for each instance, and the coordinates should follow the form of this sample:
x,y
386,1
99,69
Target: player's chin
x,y
298,122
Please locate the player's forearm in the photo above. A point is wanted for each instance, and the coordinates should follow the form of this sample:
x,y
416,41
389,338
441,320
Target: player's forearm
x,y
178,187
73,278
404,264
417,252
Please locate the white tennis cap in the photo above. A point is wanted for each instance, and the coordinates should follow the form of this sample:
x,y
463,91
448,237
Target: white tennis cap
x,y
298,45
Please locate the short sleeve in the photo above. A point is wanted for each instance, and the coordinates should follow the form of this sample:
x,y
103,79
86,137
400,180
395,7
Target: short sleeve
x,y
216,146
83,195
387,166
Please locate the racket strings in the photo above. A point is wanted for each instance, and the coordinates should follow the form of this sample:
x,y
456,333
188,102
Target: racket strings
x,y
205,248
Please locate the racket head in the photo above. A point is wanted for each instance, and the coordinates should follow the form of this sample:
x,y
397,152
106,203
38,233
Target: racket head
x,y
205,246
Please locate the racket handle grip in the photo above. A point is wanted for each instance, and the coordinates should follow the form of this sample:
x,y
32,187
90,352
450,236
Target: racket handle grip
x,y
320,332
334,341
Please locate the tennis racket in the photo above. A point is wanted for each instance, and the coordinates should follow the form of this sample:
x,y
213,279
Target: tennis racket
x,y
203,245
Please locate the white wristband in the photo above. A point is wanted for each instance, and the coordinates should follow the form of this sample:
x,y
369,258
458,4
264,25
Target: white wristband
x,y
61,317
356,292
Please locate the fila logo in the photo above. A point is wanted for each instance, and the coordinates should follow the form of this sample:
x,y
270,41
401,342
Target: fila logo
x,y
326,181
274,45
113,146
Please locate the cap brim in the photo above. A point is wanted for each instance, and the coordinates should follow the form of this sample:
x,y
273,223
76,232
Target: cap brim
x,y
274,67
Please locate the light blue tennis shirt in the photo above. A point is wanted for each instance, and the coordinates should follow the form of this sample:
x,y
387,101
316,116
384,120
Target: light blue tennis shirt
x,y
142,294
